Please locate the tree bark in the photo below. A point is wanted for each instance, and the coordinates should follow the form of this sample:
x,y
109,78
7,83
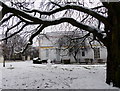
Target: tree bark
x,y
113,47
109,65
75,58
116,51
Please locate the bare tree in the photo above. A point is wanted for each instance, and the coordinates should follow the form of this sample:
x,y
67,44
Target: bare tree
x,y
72,44
106,30
13,45
32,52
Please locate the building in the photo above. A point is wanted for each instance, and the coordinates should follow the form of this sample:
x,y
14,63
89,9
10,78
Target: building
x,y
49,49
1,55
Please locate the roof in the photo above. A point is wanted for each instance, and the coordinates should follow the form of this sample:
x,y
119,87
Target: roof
x,y
58,34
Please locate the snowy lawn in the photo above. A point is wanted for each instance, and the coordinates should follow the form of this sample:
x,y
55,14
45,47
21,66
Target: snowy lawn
x,y
25,75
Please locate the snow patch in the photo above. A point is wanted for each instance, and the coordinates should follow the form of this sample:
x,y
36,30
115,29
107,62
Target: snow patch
x,y
26,75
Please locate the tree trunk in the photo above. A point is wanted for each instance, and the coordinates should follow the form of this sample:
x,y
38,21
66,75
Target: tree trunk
x,y
116,51
109,65
75,58
4,63
113,59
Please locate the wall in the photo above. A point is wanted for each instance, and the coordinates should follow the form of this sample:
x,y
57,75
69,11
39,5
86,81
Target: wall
x,y
49,46
103,53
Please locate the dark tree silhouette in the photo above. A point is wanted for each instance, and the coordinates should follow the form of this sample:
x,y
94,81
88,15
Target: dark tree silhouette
x,y
109,35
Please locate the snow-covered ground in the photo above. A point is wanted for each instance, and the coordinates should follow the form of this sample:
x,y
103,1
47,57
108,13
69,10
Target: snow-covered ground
x,y
25,75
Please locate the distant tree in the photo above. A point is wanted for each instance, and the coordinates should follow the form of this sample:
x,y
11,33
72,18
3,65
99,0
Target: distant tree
x,y
32,52
105,28
12,46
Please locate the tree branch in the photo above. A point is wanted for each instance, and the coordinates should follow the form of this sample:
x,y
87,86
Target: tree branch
x,y
3,11
78,8
74,7
20,13
97,7
95,31
53,22
8,29
32,37
34,20
14,33
84,18
85,36
55,4
14,25
72,22
6,19
105,3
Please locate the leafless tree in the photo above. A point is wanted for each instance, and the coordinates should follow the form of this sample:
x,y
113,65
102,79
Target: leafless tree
x,y
104,25
13,45
72,44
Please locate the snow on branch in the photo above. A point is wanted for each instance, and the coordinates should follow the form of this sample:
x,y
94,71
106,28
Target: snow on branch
x,y
14,33
97,7
29,19
74,7
97,32
74,23
33,36
22,14
14,26
36,20
6,19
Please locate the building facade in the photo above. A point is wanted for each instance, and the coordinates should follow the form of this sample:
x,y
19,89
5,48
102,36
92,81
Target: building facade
x,y
1,54
49,49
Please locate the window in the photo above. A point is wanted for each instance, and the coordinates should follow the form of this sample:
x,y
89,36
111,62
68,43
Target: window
x,y
83,53
47,53
96,52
